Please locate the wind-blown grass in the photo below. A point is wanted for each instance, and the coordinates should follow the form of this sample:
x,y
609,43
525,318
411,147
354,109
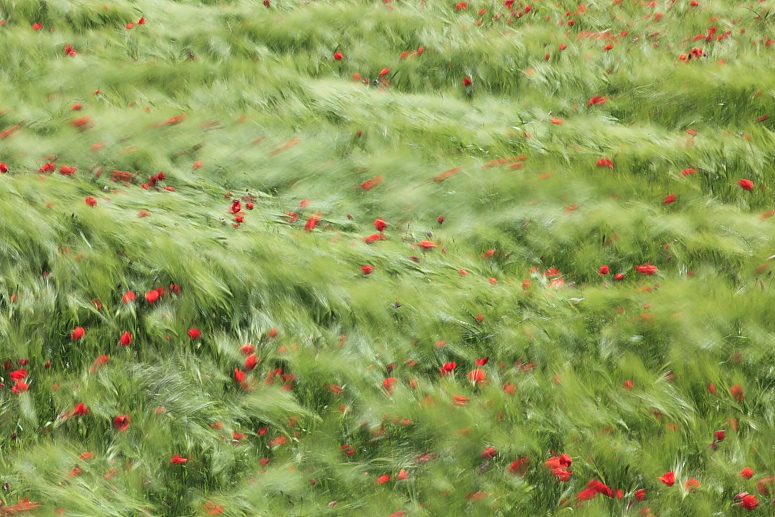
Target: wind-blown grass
x,y
499,217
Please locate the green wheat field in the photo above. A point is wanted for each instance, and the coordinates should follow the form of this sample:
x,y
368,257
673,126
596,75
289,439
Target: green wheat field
x,y
387,258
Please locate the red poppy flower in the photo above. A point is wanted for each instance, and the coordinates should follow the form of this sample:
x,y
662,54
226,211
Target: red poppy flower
x,y
194,333
121,423
250,362
489,452
562,474
67,171
3,168
129,296
37,26
47,167
427,244
402,475
384,478
17,375
688,172
720,435
627,384
646,269
593,488
519,466
177,459
276,442
749,502
80,409
370,184
373,238
668,478
745,184
367,270
562,460
477,375
311,223
379,224
608,47
640,494
126,339
605,162
737,392
467,81
152,296
604,270
384,72
338,56
669,199
448,368
99,363
690,484
77,333
19,387
90,201
747,473
389,383
239,375
596,99
482,361
141,21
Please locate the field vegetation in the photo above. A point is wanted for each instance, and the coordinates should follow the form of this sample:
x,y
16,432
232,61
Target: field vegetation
x,y
387,258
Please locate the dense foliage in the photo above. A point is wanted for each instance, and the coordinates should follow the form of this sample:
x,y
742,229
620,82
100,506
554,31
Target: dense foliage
x,y
386,258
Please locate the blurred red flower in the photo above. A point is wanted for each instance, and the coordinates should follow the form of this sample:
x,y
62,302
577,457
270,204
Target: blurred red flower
x,y
121,423
745,184
250,362
177,459
17,375
737,392
646,269
749,502
311,223
19,387
448,368
389,383
668,478
477,375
